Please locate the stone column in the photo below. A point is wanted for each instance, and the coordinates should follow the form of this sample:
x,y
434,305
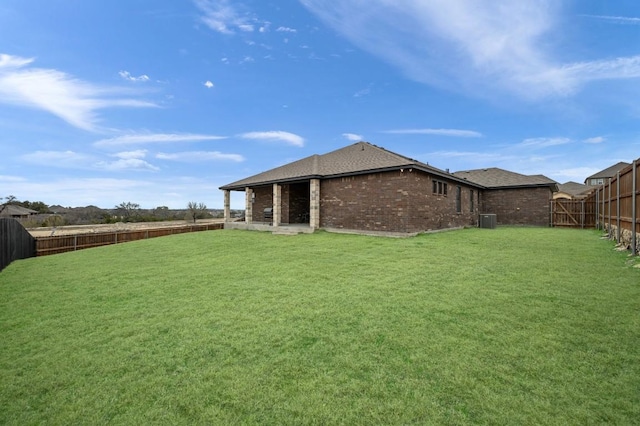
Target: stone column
x,y
277,204
227,205
248,206
314,204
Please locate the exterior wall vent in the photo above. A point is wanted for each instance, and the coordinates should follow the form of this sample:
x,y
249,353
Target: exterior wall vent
x,y
488,221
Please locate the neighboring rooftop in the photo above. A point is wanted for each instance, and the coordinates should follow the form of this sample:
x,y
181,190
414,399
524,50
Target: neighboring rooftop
x,y
359,158
13,211
575,189
499,178
609,171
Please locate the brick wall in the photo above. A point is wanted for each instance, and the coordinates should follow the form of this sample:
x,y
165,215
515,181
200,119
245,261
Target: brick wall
x,y
262,200
393,201
525,206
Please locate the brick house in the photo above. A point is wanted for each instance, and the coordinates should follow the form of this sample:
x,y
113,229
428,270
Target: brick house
x,y
367,188
516,199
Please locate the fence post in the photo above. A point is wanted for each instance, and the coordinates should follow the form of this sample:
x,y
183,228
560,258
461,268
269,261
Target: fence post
x,y
634,212
604,195
75,242
582,215
609,233
618,208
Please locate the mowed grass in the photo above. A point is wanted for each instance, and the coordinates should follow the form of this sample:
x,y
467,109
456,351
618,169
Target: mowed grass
x,y
505,326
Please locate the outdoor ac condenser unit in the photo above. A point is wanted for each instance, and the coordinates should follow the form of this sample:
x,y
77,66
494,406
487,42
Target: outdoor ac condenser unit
x,y
487,221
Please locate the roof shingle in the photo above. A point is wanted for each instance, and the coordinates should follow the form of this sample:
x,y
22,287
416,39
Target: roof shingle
x,y
361,157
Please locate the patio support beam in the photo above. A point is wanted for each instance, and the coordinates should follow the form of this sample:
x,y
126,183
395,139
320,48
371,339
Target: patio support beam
x,y
248,205
277,204
227,205
314,204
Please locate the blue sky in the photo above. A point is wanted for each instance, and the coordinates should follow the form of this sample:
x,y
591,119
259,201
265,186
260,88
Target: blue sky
x,y
160,103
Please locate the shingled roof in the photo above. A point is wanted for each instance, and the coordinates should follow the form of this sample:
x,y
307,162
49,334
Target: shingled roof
x,y
574,189
609,171
498,178
359,158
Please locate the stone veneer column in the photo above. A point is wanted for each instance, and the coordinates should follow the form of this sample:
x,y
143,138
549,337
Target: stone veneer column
x,y
314,204
277,204
248,206
227,205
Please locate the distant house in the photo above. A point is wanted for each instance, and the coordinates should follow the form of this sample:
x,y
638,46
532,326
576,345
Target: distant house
x,y
572,191
601,177
368,188
16,212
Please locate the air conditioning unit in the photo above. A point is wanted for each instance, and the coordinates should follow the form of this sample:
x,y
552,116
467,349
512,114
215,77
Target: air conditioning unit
x,y
487,221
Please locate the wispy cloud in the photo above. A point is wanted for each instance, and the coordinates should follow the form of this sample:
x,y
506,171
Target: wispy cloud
x,y
128,161
74,101
544,142
286,30
208,84
151,138
439,132
59,159
616,19
198,156
594,140
353,137
126,75
276,135
471,46
224,17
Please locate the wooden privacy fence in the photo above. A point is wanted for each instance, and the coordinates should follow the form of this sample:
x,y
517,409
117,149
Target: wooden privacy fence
x,y
617,206
573,213
15,242
65,243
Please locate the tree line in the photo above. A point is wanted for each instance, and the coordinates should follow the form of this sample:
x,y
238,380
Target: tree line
x,y
127,211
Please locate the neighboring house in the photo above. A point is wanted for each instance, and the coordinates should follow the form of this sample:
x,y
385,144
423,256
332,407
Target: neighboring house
x,y
365,187
17,212
514,198
602,176
572,191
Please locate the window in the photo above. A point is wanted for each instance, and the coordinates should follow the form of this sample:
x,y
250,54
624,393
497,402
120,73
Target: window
x,y
439,187
458,199
471,201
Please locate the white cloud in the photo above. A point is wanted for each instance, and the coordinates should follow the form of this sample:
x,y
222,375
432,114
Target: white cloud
x,y
197,156
353,137
439,132
577,174
471,46
60,159
11,179
58,93
286,30
9,61
615,19
223,17
149,138
276,135
127,164
544,142
127,76
208,84
594,140
140,153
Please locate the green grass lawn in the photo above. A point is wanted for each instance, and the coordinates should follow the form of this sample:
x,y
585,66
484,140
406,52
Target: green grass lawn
x,y
506,326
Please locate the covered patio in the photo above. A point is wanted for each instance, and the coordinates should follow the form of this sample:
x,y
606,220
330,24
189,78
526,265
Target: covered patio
x,y
294,205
